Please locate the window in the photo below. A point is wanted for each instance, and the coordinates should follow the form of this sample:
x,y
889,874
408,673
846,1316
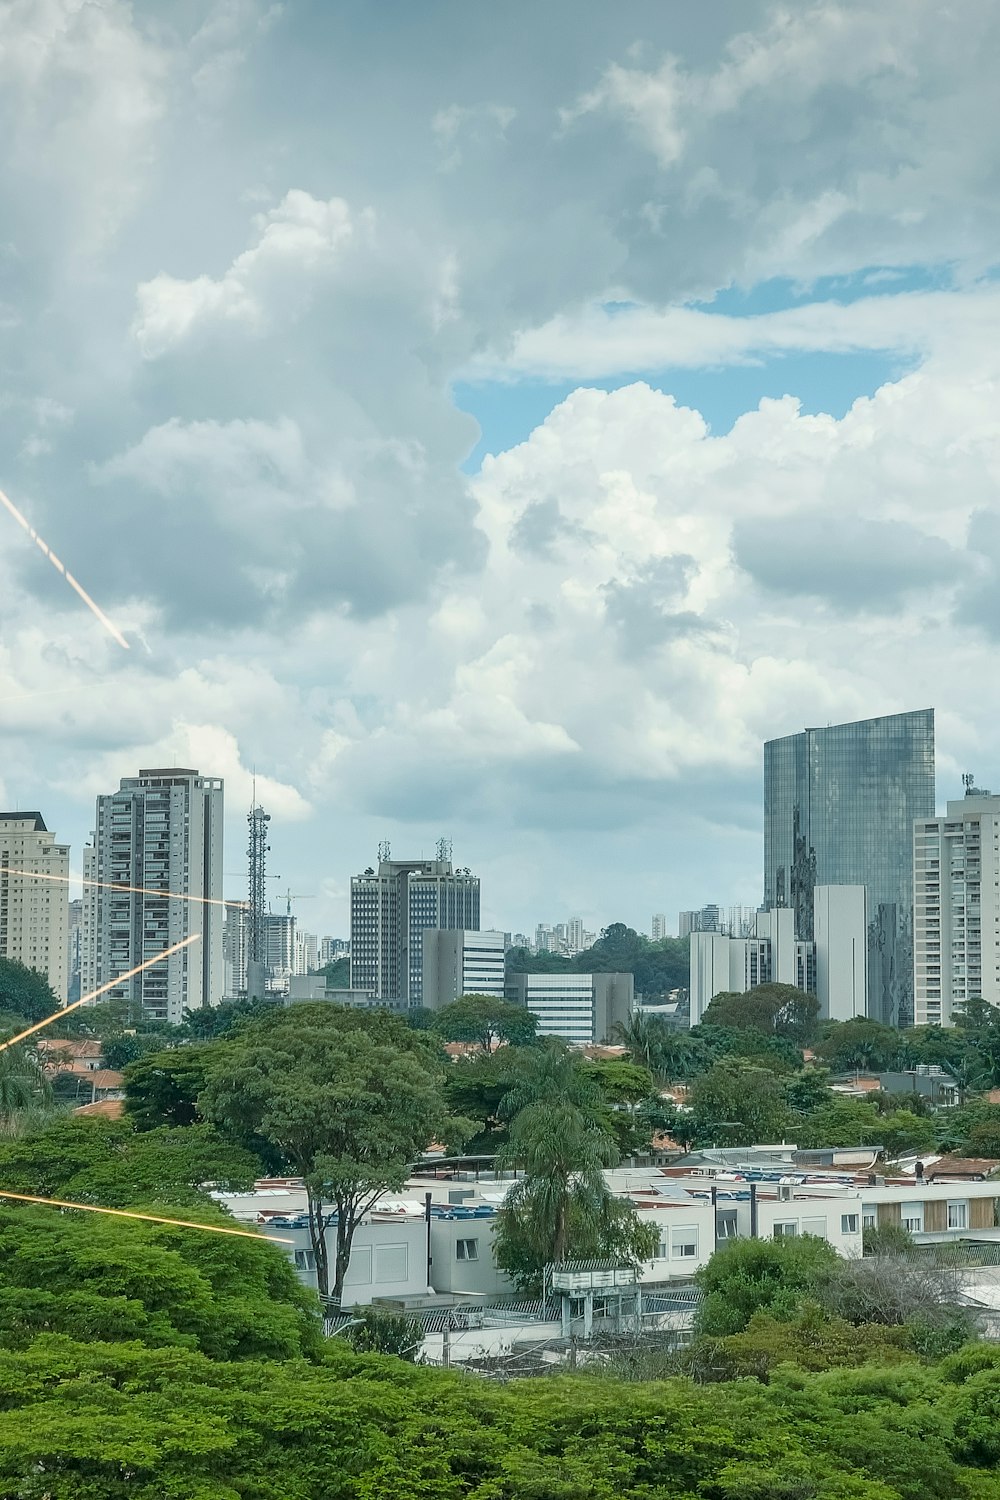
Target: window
x,y
815,1226
305,1260
662,1250
390,1263
849,1223
958,1214
786,1230
912,1217
726,1225
684,1242
466,1249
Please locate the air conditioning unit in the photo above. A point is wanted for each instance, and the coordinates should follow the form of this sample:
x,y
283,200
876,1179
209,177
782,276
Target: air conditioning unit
x,y
784,1192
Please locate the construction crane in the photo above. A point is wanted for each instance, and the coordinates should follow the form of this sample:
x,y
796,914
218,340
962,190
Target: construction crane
x,y
289,898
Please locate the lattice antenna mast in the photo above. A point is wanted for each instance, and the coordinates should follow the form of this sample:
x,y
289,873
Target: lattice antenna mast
x,y
444,849
257,853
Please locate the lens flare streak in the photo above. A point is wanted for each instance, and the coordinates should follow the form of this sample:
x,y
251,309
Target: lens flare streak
x,y
127,1213
109,885
60,567
64,1010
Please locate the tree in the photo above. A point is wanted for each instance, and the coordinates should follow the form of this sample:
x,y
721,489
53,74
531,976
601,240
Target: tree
x,y
808,1090
775,1009
25,1093
842,1122
108,1162
349,1098
486,1020
898,1291
858,1045
561,1208
25,993
474,1089
753,1276
737,1103
651,1043
163,1088
337,973
209,1022
903,1133
96,1278
380,1332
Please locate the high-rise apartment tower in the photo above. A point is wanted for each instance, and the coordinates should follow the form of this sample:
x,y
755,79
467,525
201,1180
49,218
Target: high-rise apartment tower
x,y
152,877
34,913
956,910
839,809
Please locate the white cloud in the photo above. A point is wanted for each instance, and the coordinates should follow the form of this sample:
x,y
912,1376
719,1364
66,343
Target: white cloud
x,y
300,237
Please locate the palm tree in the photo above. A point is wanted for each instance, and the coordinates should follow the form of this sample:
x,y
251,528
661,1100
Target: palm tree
x,y
25,1092
654,1045
561,1207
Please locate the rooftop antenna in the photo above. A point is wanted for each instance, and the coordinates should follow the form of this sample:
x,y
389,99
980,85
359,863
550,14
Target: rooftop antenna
x,y
257,852
384,852
444,849
969,782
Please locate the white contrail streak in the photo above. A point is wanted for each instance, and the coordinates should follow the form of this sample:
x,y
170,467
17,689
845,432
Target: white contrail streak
x,y
78,588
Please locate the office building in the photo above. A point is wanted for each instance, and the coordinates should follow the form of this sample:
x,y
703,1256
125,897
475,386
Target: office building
x,y
956,880
390,912
332,949
580,1008
306,953
152,877
839,809
461,963
34,913
832,965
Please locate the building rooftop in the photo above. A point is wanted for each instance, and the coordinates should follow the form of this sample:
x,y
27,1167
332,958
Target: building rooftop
x,y
34,818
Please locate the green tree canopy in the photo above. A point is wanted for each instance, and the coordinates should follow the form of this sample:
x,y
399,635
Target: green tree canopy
x,y
349,1098
738,1103
486,1020
858,1045
108,1162
25,994
775,1009
93,1278
753,1276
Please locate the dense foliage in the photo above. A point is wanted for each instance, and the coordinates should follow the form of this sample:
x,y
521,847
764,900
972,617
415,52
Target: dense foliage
x,y
659,967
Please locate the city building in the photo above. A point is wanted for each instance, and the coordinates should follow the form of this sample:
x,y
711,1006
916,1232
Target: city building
x,y
331,949
152,877
580,1008
659,926
956,907
705,920
73,950
390,912
839,809
461,963
306,952
34,913
832,965
235,933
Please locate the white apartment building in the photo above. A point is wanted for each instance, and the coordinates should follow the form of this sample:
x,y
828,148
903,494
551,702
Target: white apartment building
x,y
658,926
457,962
152,877
956,908
34,913
834,967
580,1008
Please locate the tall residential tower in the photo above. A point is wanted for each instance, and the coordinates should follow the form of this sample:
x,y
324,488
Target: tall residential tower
x,y
152,877
839,809
34,914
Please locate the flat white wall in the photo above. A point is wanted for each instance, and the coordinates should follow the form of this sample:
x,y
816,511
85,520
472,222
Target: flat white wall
x,y
840,918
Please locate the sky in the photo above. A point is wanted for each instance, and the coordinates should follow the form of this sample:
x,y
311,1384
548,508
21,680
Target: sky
x,y
494,422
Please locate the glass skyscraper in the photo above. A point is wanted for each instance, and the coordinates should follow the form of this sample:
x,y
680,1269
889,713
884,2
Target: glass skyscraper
x,y
839,809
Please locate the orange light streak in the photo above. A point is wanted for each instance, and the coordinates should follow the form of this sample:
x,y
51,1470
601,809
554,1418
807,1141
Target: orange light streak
x,y
78,588
64,1010
127,1213
108,885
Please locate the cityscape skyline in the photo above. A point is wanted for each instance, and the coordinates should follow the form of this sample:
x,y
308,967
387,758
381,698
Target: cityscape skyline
x,y
523,530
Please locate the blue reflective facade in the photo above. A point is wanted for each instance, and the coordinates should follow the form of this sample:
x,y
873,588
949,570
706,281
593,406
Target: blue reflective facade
x,y
839,808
